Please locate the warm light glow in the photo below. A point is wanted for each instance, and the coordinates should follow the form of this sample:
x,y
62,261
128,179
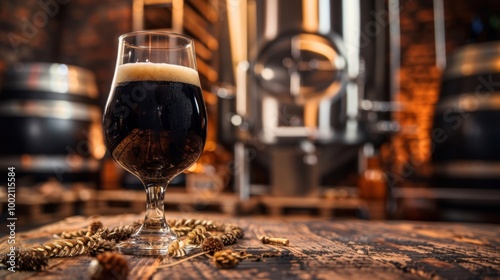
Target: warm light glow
x,y
177,15
210,146
197,168
496,65
310,113
192,168
237,21
311,43
271,30
138,14
96,139
467,69
26,161
267,74
310,15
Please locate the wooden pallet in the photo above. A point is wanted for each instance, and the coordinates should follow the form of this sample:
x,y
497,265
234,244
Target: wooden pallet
x,y
32,207
37,208
134,201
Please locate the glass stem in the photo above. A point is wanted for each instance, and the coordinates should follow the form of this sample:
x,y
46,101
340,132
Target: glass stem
x,y
154,236
155,213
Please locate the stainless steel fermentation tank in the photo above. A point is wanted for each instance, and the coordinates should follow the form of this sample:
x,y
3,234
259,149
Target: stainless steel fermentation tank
x,y
298,74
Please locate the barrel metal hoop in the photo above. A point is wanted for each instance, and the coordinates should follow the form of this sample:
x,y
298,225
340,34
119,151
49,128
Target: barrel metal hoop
x,y
55,86
472,69
474,59
469,102
54,163
51,77
51,109
467,169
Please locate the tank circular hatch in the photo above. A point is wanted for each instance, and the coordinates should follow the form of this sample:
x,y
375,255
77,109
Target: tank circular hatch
x,y
296,68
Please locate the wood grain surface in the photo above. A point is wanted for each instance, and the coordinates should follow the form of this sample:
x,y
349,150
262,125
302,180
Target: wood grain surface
x,y
319,249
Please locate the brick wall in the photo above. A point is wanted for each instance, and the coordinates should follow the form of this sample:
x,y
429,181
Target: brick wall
x,y
78,32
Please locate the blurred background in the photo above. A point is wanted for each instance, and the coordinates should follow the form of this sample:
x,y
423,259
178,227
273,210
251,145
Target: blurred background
x,y
382,109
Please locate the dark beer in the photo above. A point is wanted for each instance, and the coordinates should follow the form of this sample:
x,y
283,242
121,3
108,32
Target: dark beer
x,y
155,122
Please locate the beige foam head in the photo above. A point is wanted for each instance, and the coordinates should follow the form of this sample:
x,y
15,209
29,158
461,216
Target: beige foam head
x,y
143,71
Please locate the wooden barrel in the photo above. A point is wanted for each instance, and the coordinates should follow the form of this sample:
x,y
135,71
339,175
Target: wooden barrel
x,y
51,122
466,130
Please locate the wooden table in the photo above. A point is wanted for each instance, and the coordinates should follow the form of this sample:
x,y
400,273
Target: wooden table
x,y
319,249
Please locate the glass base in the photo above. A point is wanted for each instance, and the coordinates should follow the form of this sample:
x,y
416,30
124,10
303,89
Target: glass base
x,y
148,243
